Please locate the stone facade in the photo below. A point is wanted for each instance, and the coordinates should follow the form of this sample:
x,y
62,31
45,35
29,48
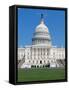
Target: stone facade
x,y
41,53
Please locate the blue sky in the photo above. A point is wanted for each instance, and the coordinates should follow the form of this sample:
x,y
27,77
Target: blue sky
x,y
28,19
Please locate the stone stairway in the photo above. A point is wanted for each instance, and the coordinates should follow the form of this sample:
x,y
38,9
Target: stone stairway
x,y
60,63
21,62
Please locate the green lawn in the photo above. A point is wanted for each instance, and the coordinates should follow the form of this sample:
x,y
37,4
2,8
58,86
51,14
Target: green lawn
x,y
40,74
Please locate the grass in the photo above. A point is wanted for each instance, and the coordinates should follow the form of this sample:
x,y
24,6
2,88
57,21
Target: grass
x,y
40,74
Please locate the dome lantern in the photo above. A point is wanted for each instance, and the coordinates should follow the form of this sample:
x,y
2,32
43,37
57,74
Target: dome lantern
x,y
42,19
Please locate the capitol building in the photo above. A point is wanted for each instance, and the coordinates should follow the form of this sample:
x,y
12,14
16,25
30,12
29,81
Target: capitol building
x,y
41,53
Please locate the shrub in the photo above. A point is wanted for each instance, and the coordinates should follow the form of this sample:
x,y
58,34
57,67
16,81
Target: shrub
x,y
37,66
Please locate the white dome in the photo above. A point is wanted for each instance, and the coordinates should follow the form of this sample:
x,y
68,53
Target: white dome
x,y
41,35
42,28
42,31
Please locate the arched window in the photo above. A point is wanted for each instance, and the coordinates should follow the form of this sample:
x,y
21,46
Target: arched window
x,y
44,61
33,62
40,62
29,61
36,62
